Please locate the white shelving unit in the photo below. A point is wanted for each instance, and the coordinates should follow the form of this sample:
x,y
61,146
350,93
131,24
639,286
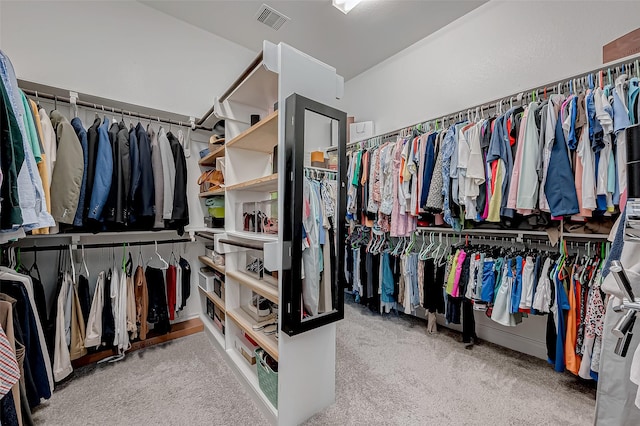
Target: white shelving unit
x,y
306,362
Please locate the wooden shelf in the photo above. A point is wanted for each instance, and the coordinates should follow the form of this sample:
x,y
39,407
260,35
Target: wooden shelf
x,y
261,287
219,191
261,137
245,322
180,329
210,264
214,298
210,158
265,183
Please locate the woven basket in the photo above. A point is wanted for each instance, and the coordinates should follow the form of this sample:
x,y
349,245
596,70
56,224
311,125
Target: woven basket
x,y
267,378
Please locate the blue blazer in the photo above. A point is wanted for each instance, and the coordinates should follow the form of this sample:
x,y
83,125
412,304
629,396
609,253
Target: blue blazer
x,y
82,137
104,172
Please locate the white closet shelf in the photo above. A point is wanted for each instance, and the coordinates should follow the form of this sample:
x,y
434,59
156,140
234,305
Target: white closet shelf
x,y
261,137
214,298
261,287
245,322
254,236
210,264
266,183
210,158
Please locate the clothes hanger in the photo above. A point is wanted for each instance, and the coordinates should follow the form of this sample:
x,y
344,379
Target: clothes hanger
x,y
161,263
372,242
129,264
18,260
435,249
35,258
73,266
172,259
140,259
421,252
84,263
124,257
410,244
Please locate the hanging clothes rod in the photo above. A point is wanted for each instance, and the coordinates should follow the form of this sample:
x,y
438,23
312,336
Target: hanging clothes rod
x,y
239,244
102,245
113,110
320,171
595,77
508,232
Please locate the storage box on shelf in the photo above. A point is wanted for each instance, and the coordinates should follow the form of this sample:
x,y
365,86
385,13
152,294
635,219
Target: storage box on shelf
x,y
246,348
267,377
214,212
205,278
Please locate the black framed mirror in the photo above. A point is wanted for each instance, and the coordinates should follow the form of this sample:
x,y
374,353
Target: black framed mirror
x,y
314,217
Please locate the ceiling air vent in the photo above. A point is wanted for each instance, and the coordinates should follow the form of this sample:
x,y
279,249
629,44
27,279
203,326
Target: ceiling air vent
x,y
271,17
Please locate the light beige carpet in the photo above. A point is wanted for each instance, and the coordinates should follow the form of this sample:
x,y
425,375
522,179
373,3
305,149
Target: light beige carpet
x,y
389,371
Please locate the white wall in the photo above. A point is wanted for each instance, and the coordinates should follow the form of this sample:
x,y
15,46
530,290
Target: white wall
x,y
120,50
496,50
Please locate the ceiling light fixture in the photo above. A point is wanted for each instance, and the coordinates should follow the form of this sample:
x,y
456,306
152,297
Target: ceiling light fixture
x,y
345,6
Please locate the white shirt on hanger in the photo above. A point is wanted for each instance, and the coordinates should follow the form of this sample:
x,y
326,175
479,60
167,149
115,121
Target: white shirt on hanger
x,y
94,324
61,357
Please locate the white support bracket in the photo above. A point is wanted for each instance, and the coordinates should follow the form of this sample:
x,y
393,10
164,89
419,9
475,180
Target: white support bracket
x,y
73,100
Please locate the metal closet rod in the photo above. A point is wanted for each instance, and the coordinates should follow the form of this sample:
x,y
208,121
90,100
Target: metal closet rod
x,y
559,86
507,233
240,244
113,110
102,245
246,73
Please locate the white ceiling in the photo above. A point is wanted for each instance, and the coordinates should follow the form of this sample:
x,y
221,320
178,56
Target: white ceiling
x,y
352,43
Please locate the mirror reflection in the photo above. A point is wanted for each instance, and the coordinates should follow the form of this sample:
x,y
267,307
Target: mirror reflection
x,y
319,217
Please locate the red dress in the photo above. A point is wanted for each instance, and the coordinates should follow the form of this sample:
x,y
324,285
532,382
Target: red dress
x,y
171,291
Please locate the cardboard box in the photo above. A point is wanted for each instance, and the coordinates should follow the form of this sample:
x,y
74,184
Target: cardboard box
x,y
246,349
